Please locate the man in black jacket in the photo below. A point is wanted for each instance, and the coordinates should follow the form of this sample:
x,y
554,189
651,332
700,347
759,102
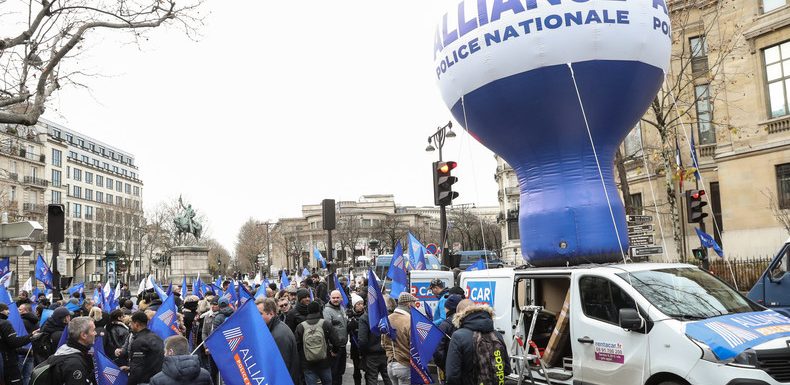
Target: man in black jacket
x,y
283,337
180,367
375,357
319,368
299,313
51,332
146,353
9,343
446,327
73,361
25,353
464,355
115,335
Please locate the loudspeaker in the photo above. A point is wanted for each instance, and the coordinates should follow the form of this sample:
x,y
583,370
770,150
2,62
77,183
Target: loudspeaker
x,y
56,220
328,213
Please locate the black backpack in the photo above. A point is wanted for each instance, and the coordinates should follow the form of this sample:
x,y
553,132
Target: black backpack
x,y
491,356
46,373
42,346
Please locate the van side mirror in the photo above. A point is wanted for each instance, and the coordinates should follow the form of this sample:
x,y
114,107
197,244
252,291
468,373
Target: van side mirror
x,y
630,319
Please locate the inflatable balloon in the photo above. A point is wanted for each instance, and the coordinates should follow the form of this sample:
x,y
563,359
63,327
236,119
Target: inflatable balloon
x,y
538,82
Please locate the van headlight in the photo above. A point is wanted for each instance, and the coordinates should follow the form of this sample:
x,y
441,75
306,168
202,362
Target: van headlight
x,y
747,358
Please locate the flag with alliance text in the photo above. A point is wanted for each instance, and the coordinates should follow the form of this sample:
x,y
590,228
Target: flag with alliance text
x,y
425,338
165,321
397,272
107,373
43,272
241,348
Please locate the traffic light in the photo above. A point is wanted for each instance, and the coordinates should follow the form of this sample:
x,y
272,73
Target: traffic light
x,y
700,253
694,205
55,223
443,181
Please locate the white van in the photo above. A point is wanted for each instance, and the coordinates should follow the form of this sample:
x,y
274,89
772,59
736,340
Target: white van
x,y
632,324
419,286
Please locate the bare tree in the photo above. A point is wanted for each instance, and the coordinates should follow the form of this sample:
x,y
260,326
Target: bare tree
x,y
42,54
388,231
349,232
782,215
216,253
250,242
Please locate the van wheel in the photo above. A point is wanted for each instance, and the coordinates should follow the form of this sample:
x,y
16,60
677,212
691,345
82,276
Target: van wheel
x,y
500,266
670,383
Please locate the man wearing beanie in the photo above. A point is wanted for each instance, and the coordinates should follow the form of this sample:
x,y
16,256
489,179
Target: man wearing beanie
x,y
299,313
316,368
447,327
398,354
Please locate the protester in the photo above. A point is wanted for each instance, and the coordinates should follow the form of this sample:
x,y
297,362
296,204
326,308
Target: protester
x,y
207,320
375,357
441,293
335,315
317,342
9,343
179,367
298,314
446,327
26,353
177,297
225,311
190,313
477,353
116,333
283,337
146,351
73,361
51,332
353,314
24,297
398,355
283,307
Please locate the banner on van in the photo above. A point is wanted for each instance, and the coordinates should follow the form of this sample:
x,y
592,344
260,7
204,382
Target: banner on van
x,y
481,292
730,335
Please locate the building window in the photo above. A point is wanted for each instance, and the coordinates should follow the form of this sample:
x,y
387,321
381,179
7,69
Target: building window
x,y
77,192
77,210
88,177
699,55
72,155
636,204
109,199
119,186
109,183
88,194
770,5
85,159
707,134
99,196
99,181
56,178
633,142
783,185
777,75
127,188
88,212
96,163
136,191
55,196
81,142
56,157
77,174
512,225
118,201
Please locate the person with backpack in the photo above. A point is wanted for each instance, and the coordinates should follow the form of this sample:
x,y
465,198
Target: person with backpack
x,y
298,314
477,353
446,327
335,315
53,329
375,359
356,311
317,343
225,311
9,343
72,363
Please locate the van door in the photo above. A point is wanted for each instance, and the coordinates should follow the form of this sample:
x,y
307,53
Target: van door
x,y
602,350
771,289
496,290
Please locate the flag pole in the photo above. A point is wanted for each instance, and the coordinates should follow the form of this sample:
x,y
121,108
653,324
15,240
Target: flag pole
x,y
198,347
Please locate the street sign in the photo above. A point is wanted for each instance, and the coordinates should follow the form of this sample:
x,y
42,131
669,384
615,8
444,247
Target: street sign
x,y
645,251
641,240
20,230
638,219
16,251
640,229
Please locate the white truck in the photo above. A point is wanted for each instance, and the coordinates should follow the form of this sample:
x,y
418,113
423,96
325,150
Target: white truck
x,y
642,323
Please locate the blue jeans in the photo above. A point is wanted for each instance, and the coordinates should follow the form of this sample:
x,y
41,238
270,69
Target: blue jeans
x,y
26,369
311,376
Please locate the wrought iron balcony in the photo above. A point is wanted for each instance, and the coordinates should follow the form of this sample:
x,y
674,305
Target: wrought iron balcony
x,y
34,208
31,180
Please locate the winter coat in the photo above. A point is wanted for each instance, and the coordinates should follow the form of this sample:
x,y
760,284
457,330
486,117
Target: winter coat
x,y
147,352
351,328
439,312
398,351
10,342
208,324
337,318
115,336
181,370
222,315
31,322
74,365
286,342
50,335
447,327
189,317
369,343
333,344
296,316
462,360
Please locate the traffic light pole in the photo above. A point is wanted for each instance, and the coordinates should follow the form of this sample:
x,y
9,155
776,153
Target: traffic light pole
x,y
443,238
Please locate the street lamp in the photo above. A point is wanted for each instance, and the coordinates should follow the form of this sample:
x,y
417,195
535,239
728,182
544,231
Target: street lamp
x,y
268,246
438,138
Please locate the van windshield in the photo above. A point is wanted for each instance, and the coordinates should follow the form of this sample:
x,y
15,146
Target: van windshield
x,y
688,293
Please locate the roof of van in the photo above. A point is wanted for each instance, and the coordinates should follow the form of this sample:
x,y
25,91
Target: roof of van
x,y
630,267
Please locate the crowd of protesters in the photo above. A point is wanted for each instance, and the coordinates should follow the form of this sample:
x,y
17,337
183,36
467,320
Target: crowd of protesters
x,y
316,333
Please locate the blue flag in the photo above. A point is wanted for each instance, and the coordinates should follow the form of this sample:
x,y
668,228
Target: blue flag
x,y
425,338
97,296
43,272
305,273
13,314
244,295
63,337
261,293
231,294
342,291
197,288
98,343
107,373
184,287
694,158
169,289
165,321
4,266
377,309
729,335
416,253
241,348
45,314
479,265
708,242
158,289
428,311
320,258
397,272
284,281
78,288
73,307
311,295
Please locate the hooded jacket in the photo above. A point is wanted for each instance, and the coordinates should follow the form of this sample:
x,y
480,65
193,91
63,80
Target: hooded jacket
x,y
462,360
115,335
337,318
296,316
448,328
398,350
286,343
181,370
147,351
222,315
74,364
50,335
332,343
369,343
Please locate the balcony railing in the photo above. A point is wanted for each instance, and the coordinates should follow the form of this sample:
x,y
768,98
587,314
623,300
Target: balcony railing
x,y
707,150
778,125
34,208
31,180
13,176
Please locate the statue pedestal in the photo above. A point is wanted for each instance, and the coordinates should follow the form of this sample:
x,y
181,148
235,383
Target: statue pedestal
x,y
189,261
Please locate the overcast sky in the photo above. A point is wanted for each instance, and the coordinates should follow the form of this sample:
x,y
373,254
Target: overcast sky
x,y
278,104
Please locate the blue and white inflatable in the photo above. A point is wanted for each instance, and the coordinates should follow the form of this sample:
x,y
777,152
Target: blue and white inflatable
x,y
506,69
